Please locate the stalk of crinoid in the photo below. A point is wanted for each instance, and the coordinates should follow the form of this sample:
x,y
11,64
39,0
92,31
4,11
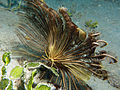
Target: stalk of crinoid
x,y
62,45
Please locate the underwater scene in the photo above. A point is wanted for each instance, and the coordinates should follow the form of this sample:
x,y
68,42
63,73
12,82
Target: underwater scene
x,y
59,44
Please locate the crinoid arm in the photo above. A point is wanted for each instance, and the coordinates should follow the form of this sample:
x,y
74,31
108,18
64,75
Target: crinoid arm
x,y
63,45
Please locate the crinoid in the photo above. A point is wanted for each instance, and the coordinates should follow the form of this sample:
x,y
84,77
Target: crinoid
x,y
62,45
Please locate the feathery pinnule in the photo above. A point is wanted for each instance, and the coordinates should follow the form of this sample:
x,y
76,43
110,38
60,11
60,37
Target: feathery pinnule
x,y
63,45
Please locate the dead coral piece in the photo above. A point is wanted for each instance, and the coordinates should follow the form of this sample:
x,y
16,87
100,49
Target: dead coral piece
x,y
62,45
